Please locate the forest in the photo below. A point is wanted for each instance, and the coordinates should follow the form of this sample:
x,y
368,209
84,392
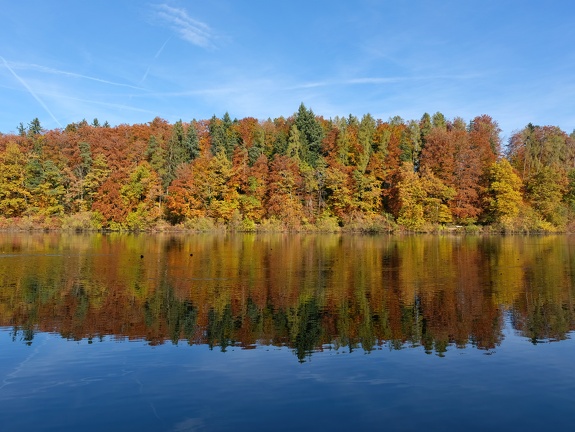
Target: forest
x,y
301,173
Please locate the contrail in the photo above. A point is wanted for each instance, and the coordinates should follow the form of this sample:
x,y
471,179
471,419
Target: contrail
x,y
162,48
76,75
34,95
108,104
155,57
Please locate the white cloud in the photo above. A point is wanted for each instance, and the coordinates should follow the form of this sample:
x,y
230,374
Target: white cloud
x,y
188,28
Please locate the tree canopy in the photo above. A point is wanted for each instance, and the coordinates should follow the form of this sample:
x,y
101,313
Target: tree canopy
x,y
293,172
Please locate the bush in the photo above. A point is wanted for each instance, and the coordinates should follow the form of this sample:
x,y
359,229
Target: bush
x,y
236,222
82,221
271,225
472,229
200,224
327,223
248,225
373,224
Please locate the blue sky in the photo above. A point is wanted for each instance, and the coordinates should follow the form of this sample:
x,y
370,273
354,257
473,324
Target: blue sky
x,y
130,61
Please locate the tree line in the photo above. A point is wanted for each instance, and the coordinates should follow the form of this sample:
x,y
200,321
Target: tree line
x,y
303,172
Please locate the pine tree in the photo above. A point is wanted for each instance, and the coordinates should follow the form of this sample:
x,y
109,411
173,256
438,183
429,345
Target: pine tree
x,y
311,134
191,142
34,127
176,152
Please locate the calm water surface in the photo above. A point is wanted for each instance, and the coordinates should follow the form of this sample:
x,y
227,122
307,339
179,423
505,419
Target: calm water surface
x,y
286,332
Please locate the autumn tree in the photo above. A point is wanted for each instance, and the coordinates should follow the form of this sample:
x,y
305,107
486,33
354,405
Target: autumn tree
x,y
252,203
569,196
536,147
247,182
543,156
14,195
222,196
424,198
504,192
387,155
484,134
545,191
97,174
140,195
438,155
184,200
338,190
467,176
438,197
310,187
411,194
109,203
284,191
204,189
367,193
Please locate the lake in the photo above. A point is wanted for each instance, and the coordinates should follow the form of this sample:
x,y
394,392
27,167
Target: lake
x,y
291,332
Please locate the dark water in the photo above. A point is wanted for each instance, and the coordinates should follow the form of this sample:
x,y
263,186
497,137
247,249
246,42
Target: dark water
x,y
286,332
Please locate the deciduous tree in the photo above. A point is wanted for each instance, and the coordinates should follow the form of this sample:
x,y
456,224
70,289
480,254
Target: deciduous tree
x,y
505,197
14,196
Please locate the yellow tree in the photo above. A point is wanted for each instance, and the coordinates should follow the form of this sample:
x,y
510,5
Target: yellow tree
x,y
367,192
338,190
223,196
504,192
411,194
423,198
253,203
97,174
248,183
13,194
437,198
140,196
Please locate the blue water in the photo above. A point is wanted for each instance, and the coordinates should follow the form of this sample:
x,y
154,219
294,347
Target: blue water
x,y
280,314
56,384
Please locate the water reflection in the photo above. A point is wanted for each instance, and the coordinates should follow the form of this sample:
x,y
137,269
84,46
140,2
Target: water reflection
x,y
307,292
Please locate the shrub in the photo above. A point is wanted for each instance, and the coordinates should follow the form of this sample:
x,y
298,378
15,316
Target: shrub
x,y
200,224
82,221
327,223
248,225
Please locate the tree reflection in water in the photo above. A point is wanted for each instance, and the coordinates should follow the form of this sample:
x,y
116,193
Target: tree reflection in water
x,y
307,292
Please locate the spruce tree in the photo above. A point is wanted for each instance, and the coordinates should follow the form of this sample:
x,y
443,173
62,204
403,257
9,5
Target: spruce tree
x,y
311,134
